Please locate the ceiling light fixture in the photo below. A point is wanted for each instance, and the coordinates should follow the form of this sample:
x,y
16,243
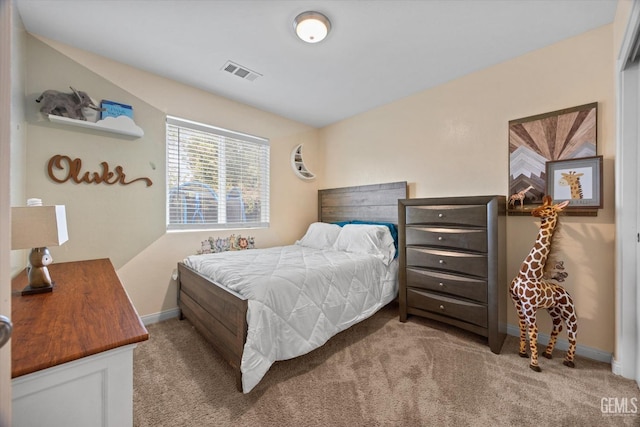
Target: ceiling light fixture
x,y
312,27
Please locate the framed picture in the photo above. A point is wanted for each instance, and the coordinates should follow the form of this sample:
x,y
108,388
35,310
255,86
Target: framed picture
x,y
576,180
558,135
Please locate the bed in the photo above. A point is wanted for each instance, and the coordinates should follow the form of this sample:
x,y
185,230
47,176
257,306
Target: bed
x,y
224,299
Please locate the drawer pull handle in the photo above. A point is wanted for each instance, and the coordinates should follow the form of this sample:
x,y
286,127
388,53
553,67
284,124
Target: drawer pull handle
x,y
441,284
441,307
440,215
440,238
441,261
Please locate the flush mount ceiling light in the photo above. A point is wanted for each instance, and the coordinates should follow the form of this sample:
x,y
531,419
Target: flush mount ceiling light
x,y
312,27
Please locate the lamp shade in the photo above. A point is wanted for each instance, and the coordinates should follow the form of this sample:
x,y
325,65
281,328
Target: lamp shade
x,y
38,226
312,27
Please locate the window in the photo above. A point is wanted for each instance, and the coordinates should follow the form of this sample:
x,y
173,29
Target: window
x,y
216,178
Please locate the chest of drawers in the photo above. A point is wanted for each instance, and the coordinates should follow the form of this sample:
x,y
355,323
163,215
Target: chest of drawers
x,y
452,254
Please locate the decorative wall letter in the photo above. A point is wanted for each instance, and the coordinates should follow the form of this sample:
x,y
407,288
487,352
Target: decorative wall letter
x,y
71,170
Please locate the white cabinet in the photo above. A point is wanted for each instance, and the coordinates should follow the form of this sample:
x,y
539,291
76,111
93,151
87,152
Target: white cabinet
x,y
72,349
95,391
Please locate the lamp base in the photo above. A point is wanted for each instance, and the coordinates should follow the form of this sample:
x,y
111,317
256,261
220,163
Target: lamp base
x,y
29,290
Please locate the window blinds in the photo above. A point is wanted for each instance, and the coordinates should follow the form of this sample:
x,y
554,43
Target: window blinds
x,y
216,178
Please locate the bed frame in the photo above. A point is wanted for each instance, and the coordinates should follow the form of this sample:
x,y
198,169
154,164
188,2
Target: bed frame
x,y
220,314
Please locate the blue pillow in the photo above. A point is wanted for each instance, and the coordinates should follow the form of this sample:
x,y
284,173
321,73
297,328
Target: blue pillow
x,y
342,223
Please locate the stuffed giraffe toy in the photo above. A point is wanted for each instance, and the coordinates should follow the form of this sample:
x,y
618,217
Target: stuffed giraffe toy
x,y
531,292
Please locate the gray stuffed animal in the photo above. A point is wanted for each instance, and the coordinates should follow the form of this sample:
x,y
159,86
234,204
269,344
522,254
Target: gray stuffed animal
x,y
66,104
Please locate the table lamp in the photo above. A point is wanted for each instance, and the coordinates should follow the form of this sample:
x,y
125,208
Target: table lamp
x,y
37,227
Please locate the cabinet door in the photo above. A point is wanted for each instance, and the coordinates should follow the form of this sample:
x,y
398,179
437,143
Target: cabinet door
x,y
96,390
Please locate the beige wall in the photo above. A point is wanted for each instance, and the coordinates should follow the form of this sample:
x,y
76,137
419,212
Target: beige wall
x,y
623,12
452,141
126,223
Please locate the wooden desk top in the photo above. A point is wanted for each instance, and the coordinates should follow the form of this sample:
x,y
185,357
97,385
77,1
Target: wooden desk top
x,y
88,312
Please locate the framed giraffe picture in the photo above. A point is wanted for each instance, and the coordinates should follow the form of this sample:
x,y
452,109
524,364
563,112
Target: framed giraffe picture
x,y
577,180
535,140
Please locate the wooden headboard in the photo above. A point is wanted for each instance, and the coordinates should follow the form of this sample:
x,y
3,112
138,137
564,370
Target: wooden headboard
x,y
377,202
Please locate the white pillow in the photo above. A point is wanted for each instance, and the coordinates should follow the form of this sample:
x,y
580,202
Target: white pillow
x,y
320,235
367,239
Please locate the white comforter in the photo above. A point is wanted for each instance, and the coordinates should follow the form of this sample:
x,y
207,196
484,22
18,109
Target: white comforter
x,y
298,297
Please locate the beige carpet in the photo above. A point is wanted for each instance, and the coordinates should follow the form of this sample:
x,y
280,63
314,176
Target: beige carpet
x,y
378,373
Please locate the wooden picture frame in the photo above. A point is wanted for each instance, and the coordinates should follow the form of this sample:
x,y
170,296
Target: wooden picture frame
x,y
577,180
535,140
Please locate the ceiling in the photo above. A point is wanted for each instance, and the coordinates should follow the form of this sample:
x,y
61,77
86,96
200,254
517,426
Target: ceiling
x,y
377,52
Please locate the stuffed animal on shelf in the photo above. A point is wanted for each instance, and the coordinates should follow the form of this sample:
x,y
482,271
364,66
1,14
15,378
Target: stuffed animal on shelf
x,y
520,195
66,104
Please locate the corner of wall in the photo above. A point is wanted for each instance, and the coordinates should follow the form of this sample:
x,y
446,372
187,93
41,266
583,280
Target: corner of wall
x,y
18,134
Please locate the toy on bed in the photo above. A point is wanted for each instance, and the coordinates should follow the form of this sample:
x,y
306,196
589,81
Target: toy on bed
x,y
531,292
231,243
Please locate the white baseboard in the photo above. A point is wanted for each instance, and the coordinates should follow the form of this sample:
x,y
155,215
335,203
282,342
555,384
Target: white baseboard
x,y
159,317
563,344
615,367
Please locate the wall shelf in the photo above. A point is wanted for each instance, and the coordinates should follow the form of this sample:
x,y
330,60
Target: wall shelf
x,y
567,212
121,125
298,165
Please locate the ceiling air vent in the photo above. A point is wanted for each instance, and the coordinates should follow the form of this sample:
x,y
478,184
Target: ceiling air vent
x,y
240,71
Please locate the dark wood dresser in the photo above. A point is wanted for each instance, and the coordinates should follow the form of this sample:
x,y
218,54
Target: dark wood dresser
x,y
452,254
